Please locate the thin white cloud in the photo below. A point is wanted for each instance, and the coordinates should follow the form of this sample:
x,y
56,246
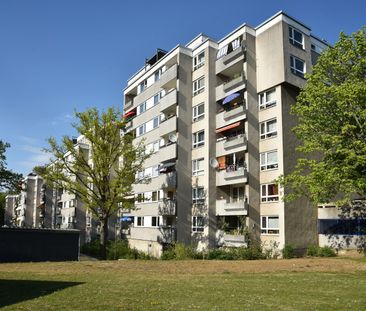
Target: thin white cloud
x,y
65,118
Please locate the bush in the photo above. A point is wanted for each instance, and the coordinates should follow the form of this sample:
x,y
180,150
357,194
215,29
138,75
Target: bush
x,y
288,252
180,251
313,250
240,253
326,251
92,248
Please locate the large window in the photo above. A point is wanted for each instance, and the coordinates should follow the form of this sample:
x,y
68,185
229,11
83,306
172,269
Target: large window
x,y
149,196
267,99
140,222
296,37
155,221
197,223
198,112
269,193
199,60
198,139
270,225
197,167
198,86
297,66
268,129
238,194
269,160
198,194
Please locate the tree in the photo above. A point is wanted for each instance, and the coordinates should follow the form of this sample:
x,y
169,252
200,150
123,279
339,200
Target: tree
x,y
331,111
8,179
97,178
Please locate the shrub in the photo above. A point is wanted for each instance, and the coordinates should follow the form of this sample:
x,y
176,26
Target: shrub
x,y
326,251
250,253
313,250
117,250
288,252
92,248
180,251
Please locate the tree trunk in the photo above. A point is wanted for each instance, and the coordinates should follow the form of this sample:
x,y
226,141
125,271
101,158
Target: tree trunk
x,y
104,239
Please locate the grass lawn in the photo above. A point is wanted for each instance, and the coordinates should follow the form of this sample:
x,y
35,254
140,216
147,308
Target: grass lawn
x,y
297,284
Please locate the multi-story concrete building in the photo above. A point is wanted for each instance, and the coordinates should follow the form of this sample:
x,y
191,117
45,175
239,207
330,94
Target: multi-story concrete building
x,y
216,117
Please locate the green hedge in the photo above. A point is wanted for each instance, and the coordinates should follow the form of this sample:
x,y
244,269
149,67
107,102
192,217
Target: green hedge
x,y
316,251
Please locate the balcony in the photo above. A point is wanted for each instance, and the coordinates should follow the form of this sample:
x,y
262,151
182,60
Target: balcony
x,y
168,235
231,175
168,101
235,58
68,212
168,180
158,234
168,126
234,240
167,207
232,86
231,145
163,181
224,208
240,110
168,78
128,104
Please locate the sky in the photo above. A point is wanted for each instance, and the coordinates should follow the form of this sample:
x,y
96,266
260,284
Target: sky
x,y
62,56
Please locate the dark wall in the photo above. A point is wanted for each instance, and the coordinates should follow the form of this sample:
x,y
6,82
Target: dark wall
x,y
22,245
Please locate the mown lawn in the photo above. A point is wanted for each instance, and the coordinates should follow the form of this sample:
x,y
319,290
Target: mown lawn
x,y
299,284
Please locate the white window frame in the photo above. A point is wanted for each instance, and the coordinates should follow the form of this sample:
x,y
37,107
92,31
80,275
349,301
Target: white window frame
x,y
157,221
198,194
263,102
198,143
196,115
240,190
196,170
264,132
199,60
198,85
265,230
198,224
295,70
293,41
265,164
142,221
265,197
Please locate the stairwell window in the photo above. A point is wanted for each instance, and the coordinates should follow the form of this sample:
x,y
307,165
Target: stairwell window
x,y
270,225
297,66
268,129
267,99
199,60
197,167
269,160
198,139
198,194
198,86
198,224
296,37
198,112
269,193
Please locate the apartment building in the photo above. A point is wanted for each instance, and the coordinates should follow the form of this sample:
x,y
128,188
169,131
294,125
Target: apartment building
x,y
216,117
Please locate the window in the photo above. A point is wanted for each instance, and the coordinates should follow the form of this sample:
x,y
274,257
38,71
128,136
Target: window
x,y
267,99
155,221
140,222
141,87
198,86
198,112
270,225
197,167
198,139
141,130
268,129
149,196
156,122
157,98
237,194
199,60
198,194
269,193
269,160
197,224
141,108
296,37
297,66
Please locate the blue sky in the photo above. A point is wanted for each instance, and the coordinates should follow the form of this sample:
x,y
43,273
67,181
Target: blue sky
x,y
58,56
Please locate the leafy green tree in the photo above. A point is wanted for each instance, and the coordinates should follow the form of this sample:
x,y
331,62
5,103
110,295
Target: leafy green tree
x,y
331,112
98,178
2,208
8,179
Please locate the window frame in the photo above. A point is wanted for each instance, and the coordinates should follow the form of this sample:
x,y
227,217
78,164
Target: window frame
x,y
195,112
198,226
198,143
196,63
266,230
157,221
294,70
266,198
196,88
267,134
268,166
195,195
267,104
292,39
195,170
140,221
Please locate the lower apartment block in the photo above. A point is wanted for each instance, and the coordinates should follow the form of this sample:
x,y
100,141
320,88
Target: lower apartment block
x,y
215,116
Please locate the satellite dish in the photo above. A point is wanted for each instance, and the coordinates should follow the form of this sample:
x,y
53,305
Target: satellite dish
x,y
173,138
214,163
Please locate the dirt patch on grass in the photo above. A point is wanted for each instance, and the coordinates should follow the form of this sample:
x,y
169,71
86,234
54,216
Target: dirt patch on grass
x,y
189,266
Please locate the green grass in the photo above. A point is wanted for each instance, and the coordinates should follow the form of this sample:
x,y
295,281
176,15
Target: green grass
x,y
185,285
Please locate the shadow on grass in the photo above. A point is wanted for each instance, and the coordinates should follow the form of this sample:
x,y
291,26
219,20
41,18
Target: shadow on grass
x,y
14,291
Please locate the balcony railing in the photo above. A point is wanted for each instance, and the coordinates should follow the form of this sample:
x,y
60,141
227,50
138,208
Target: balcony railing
x,y
236,57
128,104
167,207
168,101
235,141
232,174
231,208
234,112
167,126
229,87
